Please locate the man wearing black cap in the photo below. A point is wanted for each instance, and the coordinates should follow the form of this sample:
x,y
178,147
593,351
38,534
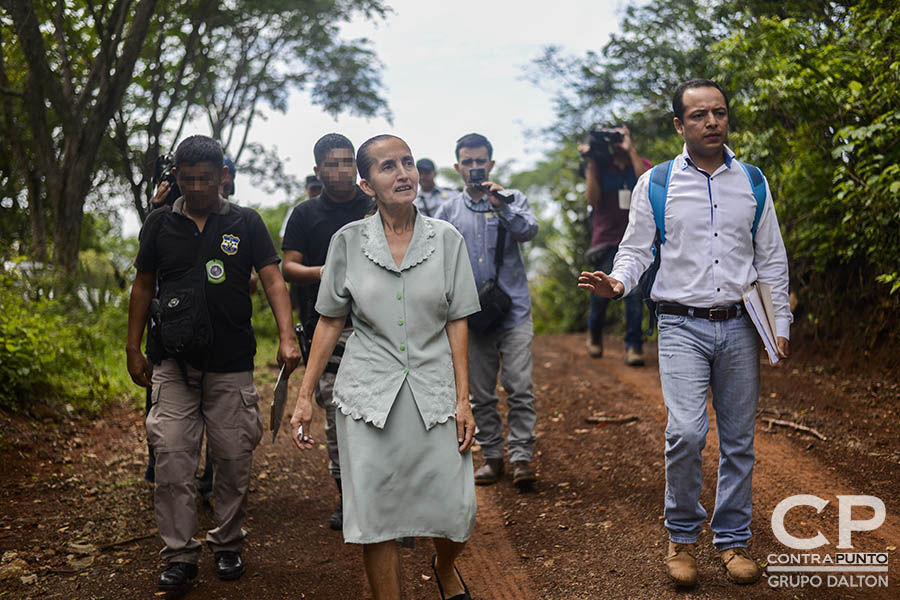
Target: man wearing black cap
x,y
430,196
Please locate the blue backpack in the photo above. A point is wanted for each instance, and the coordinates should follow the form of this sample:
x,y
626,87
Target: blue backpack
x,y
658,191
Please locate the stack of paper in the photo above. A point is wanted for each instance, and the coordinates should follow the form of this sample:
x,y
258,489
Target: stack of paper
x,y
758,301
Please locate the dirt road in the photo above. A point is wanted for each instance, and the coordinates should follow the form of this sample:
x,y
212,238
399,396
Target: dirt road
x,y
76,515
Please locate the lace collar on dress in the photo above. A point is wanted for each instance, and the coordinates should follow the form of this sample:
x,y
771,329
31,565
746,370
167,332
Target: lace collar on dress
x,y
376,248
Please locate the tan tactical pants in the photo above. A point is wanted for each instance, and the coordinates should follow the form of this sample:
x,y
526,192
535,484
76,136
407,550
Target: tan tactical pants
x,y
227,404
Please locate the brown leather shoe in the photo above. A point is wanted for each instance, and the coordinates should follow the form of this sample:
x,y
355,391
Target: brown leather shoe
x,y
594,346
524,475
681,564
634,357
490,472
740,565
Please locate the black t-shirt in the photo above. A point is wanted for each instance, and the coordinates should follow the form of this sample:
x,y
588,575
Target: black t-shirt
x,y
309,231
170,245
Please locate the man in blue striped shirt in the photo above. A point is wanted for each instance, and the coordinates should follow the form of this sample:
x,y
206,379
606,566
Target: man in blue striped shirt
x,y
478,212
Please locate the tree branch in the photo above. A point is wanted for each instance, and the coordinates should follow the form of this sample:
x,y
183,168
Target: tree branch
x,y
59,31
32,43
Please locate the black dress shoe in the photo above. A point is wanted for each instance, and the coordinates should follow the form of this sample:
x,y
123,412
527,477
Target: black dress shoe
x,y
464,596
490,472
336,521
177,577
229,565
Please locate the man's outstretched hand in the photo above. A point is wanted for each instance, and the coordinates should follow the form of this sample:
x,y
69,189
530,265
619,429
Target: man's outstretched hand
x,y
601,284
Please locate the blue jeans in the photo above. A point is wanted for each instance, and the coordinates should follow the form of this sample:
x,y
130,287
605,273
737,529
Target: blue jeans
x,y
634,307
695,355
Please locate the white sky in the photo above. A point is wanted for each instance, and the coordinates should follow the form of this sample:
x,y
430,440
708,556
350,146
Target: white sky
x,y
450,68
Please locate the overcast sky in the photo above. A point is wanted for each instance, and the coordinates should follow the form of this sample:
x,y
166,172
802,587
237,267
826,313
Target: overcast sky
x,y
450,68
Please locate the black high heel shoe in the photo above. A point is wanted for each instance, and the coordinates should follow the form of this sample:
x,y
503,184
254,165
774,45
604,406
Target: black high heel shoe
x,y
464,596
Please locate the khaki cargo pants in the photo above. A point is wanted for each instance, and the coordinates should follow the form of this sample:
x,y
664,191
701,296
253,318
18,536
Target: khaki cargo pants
x,y
227,404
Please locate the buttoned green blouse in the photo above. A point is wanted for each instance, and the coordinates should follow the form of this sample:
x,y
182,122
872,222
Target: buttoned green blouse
x,y
399,316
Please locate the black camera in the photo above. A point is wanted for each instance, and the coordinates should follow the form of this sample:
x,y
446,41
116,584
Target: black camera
x,y
164,166
477,177
601,140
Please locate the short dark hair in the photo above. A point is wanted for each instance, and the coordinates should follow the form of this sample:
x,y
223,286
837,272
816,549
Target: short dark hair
x,y
474,140
364,160
329,142
199,148
678,96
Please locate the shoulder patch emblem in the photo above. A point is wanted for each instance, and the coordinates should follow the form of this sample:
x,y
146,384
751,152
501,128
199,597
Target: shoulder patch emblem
x,y
230,244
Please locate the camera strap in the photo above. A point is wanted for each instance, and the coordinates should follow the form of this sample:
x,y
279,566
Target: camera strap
x,y
498,251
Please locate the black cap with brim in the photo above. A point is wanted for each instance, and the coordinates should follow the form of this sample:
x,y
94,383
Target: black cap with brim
x,y
425,164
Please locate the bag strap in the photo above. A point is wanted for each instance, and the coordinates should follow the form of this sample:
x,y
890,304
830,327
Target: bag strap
x,y
658,189
210,236
498,251
758,184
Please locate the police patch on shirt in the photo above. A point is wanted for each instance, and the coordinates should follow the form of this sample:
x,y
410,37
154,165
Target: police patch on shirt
x,y
230,244
215,271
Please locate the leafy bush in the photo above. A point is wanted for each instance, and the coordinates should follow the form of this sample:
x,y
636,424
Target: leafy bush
x,y
51,352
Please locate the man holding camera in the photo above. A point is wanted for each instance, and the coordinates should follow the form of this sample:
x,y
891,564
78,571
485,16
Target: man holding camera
x,y
612,167
721,236
430,196
482,212
201,250
306,238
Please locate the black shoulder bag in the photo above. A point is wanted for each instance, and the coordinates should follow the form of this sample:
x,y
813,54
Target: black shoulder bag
x,y
495,303
184,328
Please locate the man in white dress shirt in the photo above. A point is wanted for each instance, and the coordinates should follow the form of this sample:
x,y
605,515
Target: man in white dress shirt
x,y
709,257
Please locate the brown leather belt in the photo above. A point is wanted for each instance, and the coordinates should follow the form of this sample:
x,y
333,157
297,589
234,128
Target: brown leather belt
x,y
717,313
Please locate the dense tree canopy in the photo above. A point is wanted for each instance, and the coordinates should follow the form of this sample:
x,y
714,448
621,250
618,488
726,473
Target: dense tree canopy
x,y
96,92
815,91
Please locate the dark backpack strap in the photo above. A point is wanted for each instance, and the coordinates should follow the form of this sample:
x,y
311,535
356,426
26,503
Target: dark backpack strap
x,y
498,251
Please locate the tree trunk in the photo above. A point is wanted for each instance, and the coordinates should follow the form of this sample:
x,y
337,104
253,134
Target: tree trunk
x,y
36,215
68,164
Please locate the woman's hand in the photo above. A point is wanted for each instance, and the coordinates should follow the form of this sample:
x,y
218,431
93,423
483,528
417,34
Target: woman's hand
x,y
465,424
302,417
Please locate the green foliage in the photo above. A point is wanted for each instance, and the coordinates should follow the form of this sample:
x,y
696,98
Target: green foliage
x,y
821,114
557,197
274,216
814,89
54,353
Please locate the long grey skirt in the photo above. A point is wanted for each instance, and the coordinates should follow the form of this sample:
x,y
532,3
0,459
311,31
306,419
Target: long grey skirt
x,y
403,480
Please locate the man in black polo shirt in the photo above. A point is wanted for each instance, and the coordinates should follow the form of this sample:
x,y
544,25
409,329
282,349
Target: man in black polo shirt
x,y
306,238
203,248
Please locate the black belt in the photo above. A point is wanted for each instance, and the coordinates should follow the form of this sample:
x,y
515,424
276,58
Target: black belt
x,y
717,313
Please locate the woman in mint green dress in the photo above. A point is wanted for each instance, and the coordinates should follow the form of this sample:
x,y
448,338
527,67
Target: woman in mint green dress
x,y
404,427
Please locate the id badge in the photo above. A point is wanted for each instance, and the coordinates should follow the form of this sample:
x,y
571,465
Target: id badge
x,y
624,199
